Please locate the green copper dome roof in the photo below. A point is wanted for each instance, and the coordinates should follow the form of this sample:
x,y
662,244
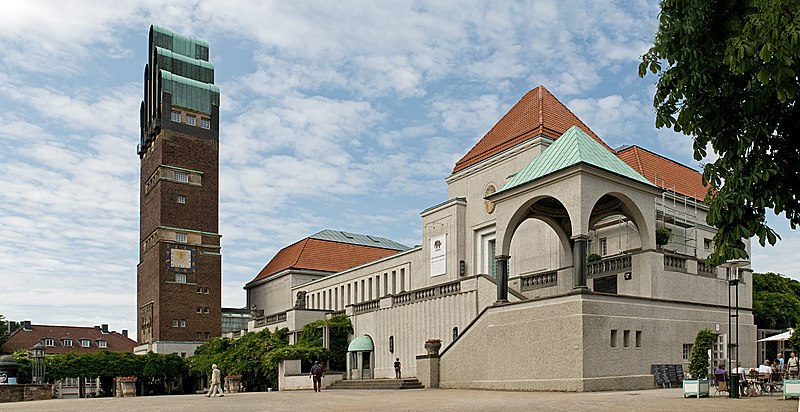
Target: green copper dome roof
x,y
361,344
572,148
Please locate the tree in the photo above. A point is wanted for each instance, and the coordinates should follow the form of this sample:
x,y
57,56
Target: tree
x,y
728,76
3,332
794,340
698,365
776,301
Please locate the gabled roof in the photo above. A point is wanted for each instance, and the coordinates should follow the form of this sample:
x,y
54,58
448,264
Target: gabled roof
x,y
538,113
572,148
330,251
664,173
24,339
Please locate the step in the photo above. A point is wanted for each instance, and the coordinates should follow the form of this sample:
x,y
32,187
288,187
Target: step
x,y
377,384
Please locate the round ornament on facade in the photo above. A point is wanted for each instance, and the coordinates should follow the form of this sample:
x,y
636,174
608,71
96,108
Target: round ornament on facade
x,y
489,204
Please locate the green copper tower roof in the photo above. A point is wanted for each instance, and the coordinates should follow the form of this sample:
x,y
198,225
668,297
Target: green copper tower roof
x,y
189,93
178,43
572,148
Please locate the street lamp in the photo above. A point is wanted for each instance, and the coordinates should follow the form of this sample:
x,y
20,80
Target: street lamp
x,y
37,351
732,266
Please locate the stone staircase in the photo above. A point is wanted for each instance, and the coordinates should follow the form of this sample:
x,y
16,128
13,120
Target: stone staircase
x,y
405,383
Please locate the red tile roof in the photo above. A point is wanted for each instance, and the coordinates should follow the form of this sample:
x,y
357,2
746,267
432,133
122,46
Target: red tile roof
x,y
664,173
322,255
536,113
24,339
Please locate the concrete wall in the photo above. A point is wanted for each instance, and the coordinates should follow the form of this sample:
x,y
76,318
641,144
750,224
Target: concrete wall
x,y
564,343
291,379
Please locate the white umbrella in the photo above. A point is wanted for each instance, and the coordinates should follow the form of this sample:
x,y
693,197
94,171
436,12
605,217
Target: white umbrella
x,y
778,338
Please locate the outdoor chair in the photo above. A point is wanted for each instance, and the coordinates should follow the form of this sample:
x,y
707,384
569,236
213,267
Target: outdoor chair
x,y
721,384
776,382
755,382
764,382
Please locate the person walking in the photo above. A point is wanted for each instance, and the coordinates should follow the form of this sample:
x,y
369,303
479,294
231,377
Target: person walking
x,y
216,377
397,368
316,374
778,366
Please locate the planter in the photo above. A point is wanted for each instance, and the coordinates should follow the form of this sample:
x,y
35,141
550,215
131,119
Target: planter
x,y
433,347
128,388
791,388
696,387
232,385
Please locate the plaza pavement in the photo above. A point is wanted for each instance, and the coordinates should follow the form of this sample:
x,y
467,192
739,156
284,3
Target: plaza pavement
x,y
416,400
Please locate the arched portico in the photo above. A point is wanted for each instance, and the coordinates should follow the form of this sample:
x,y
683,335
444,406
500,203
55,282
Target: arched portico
x,y
360,358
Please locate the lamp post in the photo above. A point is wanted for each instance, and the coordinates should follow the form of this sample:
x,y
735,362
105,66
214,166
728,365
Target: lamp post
x,y
732,277
37,351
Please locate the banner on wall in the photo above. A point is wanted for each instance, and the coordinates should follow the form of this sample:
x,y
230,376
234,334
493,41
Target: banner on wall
x,y
438,255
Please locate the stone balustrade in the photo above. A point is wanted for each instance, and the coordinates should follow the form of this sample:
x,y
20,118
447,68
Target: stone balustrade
x,y
427,293
538,281
367,306
705,269
271,319
674,263
611,264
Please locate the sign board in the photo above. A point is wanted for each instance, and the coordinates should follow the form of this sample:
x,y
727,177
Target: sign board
x,y
438,251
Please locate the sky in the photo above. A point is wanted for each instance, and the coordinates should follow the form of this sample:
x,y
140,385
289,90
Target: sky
x,y
334,115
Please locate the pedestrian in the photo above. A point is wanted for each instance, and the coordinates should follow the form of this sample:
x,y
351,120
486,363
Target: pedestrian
x,y
316,374
792,364
397,368
778,366
216,377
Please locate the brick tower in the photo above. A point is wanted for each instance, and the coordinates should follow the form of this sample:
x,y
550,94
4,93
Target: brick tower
x,y
180,266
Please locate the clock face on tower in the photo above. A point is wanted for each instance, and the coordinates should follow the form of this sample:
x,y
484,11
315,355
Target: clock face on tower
x,y
181,258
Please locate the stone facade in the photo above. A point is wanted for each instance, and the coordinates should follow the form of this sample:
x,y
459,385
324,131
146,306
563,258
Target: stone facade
x,y
20,393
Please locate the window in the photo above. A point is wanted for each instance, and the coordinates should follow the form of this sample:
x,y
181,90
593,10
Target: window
x,y
176,116
638,339
708,244
205,123
491,249
455,333
208,336
718,352
198,336
180,278
199,290
613,338
67,343
102,344
181,176
85,343
191,120
180,237
205,290
175,323
687,351
49,342
391,344
626,339
205,310
199,309
182,199
603,247
183,323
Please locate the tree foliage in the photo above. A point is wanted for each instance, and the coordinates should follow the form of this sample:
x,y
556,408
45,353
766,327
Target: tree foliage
x,y
794,340
698,365
776,301
728,76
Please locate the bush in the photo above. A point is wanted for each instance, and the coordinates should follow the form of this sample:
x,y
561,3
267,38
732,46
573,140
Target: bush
x,y
594,257
698,366
662,236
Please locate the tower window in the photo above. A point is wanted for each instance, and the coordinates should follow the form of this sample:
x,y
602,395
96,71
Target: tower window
x,y
199,309
180,237
205,310
205,290
181,176
180,278
205,123
175,116
183,323
174,323
182,199
191,120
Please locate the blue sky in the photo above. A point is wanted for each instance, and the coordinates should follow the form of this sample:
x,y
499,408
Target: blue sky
x,y
335,115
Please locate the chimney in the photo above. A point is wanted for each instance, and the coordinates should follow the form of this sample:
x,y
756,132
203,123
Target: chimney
x,y
125,333
26,325
97,327
104,328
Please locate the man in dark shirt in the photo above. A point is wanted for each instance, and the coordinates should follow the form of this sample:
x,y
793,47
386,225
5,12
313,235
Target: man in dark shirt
x,y
397,368
316,375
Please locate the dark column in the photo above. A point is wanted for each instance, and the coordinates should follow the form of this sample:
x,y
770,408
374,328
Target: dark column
x,y
502,278
579,263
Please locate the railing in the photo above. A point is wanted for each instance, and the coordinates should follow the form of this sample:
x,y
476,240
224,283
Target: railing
x,y
609,265
427,293
674,263
338,312
367,306
271,319
706,269
538,281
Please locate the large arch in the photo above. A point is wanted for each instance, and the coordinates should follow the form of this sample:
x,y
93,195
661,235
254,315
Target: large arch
x,y
611,203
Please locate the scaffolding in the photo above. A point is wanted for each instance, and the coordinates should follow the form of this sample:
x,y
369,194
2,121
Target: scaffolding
x,y
678,213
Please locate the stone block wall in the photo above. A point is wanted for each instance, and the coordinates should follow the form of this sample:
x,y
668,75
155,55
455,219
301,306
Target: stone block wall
x,y
19,393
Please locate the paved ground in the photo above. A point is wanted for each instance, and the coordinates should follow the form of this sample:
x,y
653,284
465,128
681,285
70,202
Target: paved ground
x,y
416,400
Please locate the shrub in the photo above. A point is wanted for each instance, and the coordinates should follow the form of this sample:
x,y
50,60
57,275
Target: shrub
x,y
662,236
698,366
